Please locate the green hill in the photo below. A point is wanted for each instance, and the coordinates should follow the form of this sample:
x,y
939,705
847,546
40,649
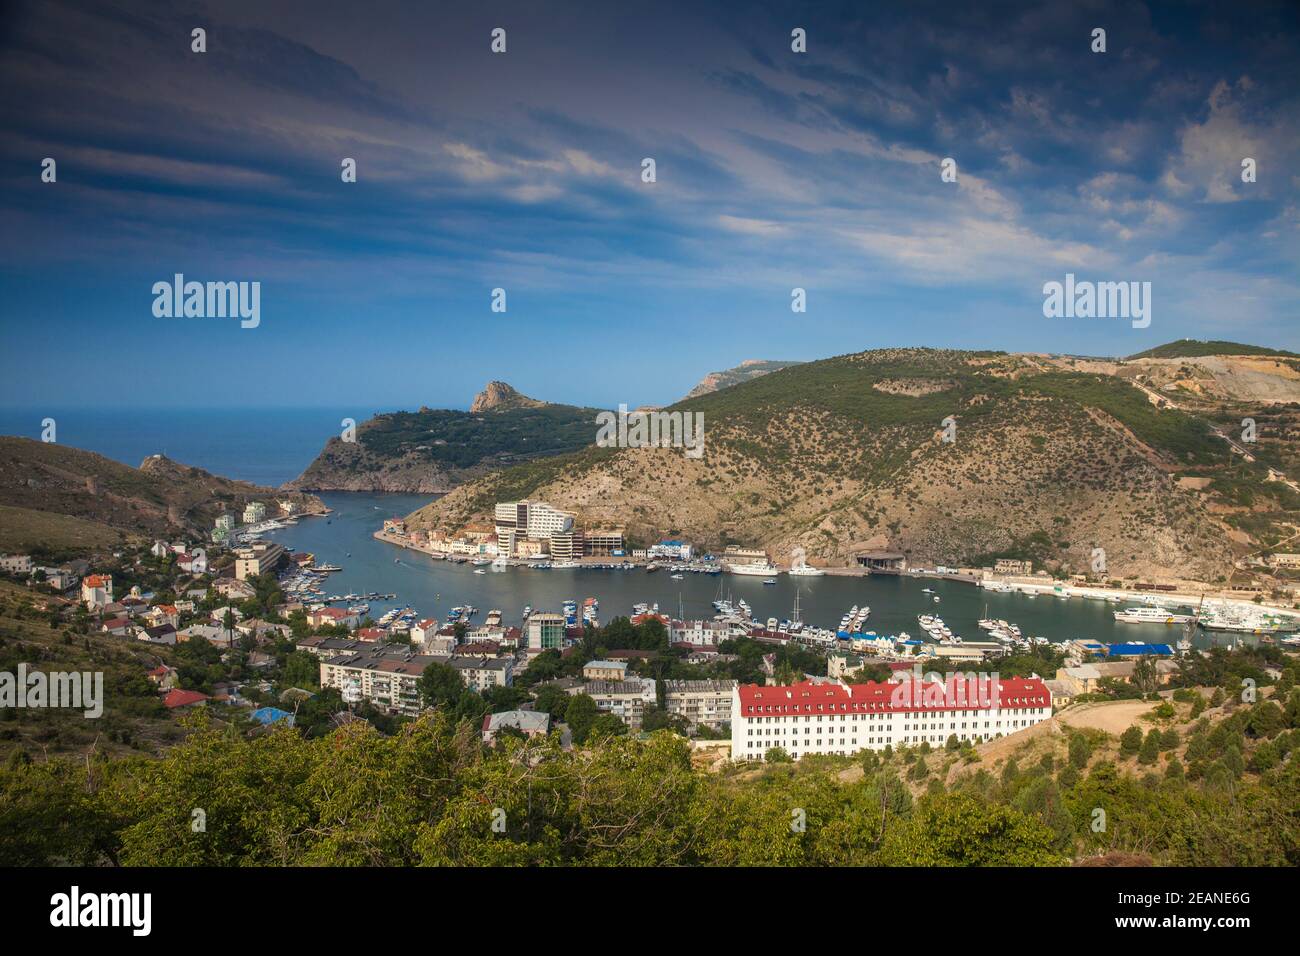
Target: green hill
x,y
61,499
1194,348
434,450
846,454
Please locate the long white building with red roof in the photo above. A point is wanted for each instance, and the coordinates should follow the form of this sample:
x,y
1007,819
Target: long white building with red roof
x,y
838,718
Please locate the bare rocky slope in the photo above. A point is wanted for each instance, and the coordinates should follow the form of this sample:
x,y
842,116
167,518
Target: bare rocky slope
x,y
750,368
847,454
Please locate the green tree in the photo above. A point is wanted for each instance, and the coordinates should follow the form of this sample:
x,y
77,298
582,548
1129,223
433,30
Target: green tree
x,y
1150,751
553,700
580,715
607,725
958,830
1080,751
1130,742
440,685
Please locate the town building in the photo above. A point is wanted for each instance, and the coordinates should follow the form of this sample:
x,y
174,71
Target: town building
x,y
700,702
1012,566
699,633
388,675
260,557
336,616
839,718
670,550
545,631
531,723
254,512
482,673
604,670
626,700
97,591
20,564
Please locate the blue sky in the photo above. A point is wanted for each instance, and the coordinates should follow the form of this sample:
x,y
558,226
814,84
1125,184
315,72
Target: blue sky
x,y
522,171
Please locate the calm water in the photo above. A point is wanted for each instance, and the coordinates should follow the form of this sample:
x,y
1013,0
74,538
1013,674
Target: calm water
x,y
434,587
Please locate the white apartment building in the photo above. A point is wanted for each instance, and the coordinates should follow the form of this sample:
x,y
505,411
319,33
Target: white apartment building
x,y
700,633
97,591
626,700
839,718
254,512
16,563
481,673
706,702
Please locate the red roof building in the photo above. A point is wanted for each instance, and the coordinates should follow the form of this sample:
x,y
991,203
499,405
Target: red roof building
x,y
183,698
837,718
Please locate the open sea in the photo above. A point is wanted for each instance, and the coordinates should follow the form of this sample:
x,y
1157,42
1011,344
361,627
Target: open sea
x,y
267,446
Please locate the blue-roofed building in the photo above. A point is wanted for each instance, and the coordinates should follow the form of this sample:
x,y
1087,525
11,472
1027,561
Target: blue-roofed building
x,y
272,715
1139,650
673,550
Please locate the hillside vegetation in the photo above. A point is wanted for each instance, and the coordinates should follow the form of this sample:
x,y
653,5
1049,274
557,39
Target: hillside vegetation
x,y
1204,779
62,500
434,450
847,453
1191,348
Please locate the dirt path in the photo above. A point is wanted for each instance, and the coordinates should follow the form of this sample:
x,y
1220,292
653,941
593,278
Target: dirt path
x,y
1112,716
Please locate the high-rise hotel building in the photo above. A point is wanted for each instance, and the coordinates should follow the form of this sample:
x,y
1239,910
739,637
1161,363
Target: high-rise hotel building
x,y
529,519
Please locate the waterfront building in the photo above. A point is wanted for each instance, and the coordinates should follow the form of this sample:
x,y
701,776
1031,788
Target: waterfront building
x,y
260,557
734,554
1012,566
670,550
839,718
254,512
603,543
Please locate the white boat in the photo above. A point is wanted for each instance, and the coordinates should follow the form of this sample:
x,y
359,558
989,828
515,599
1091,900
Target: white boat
x,y
806,571
1152,615
763,570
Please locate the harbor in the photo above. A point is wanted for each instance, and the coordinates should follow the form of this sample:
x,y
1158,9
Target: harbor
x,y
434,586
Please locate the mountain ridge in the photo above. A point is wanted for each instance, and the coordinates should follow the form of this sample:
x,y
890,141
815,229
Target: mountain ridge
x,y
846,454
